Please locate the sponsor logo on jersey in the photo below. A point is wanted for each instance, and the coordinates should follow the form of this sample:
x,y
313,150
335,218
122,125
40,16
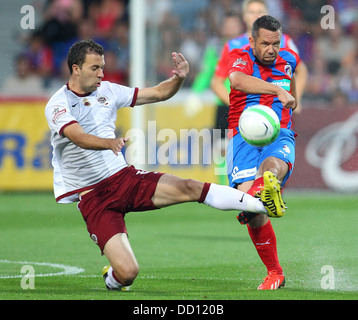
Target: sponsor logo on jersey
x,y
284,84
236,174
239,62
57,114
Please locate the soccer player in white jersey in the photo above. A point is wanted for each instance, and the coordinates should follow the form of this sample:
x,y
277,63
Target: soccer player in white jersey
x,y
89,167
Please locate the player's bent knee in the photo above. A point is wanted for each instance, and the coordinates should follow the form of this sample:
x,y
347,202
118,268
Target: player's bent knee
x,y
126,274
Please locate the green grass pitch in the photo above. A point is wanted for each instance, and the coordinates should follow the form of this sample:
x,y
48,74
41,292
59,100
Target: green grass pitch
x,y
186,252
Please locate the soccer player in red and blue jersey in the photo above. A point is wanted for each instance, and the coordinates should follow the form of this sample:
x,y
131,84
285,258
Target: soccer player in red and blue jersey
x,y
262,73
252,10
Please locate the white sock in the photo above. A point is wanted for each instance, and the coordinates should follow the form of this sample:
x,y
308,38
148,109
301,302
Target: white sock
x,y
111,281
226,198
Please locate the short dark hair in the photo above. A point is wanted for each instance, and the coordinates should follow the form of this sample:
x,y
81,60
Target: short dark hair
x,y
78,51
265,22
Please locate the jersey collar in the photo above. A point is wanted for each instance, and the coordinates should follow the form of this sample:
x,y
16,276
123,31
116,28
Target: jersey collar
x,y
78,94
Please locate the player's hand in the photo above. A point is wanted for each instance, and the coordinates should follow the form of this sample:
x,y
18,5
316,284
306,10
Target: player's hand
x,y
181,66
286,99
117,144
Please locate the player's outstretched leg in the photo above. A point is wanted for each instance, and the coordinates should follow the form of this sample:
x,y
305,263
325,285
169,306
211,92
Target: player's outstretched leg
x,y
271,195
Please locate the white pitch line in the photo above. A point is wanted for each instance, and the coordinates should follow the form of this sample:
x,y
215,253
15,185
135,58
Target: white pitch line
x,y
166,278
66,270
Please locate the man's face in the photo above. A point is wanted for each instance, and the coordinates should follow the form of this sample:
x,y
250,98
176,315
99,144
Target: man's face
x,y
90,74
231,27
266,46
253,11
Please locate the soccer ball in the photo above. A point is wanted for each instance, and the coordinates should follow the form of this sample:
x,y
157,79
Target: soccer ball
x,y
259,125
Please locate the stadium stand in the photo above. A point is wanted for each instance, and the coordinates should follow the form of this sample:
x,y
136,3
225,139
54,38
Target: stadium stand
x,y
333,75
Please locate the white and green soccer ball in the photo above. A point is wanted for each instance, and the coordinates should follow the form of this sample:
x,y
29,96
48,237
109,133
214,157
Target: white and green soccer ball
x,y
259,125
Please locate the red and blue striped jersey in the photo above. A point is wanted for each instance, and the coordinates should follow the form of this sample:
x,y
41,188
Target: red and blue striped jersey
x,y
279,73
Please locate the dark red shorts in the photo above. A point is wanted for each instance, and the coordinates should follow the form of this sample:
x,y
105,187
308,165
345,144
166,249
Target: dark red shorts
x,y
104,208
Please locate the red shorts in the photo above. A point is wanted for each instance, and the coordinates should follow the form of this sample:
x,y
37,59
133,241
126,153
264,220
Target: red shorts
x,y
104,208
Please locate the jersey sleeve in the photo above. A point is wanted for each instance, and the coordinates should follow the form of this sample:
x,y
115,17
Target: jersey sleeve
x,y
124,96
58,115
293,59
239,60
221,70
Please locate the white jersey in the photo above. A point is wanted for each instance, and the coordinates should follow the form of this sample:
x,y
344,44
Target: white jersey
x,y
77,169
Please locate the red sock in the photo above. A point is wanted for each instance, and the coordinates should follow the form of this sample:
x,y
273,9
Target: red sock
x,y
264,239
256,187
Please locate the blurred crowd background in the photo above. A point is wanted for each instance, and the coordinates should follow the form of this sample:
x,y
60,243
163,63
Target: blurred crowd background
x,y
39,61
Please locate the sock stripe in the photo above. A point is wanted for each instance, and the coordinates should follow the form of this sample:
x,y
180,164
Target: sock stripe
x,y
114,277
204,192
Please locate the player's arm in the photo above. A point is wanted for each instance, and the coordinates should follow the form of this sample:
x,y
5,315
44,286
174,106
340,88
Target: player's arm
x,y
218,86
294,91
252,85
301,79
301,75
169,87
218,80
78,136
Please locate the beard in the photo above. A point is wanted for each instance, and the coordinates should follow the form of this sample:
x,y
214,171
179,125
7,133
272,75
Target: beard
x,y
268,60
